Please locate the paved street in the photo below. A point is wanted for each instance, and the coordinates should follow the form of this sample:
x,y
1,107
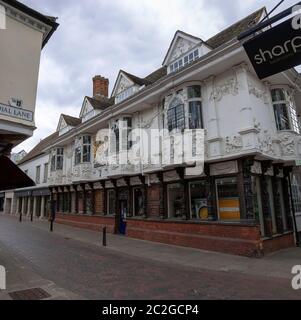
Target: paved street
x,y
71,263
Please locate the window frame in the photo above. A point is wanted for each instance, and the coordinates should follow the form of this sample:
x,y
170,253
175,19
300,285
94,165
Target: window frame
x,y
178,116
290,106
46,168
79,154
192,100
38,174
55,155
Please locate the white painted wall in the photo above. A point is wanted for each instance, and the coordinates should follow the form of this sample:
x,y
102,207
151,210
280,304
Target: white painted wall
x,y
32,165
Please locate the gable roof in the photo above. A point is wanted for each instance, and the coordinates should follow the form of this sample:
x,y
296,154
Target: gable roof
x,y
136,79
184,35
234,30
100,103
38,149
71,121
50,21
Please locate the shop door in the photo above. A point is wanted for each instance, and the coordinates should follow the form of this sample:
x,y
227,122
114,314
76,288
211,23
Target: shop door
x,y
123,205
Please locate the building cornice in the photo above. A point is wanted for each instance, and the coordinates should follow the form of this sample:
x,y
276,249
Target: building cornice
x,y
30,18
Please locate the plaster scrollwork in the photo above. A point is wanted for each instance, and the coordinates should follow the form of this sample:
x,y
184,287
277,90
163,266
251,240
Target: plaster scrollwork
x,y
287,143
231,86
233,144
182,46
266,143
258,93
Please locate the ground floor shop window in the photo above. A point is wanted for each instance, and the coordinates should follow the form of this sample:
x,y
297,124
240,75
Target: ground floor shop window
x,y
228,199
89,202
198,200
111,201
176,200
296,193
139,202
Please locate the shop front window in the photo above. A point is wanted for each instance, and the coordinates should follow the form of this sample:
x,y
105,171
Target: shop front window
x,y
176,200
198,200
139,202
228,199
111,201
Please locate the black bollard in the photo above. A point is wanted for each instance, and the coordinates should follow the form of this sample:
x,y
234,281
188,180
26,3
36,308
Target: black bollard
x,y
31,217
51,225
104,236
20,217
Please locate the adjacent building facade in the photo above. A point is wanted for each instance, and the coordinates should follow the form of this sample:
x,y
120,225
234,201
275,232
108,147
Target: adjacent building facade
x,y
241,202
23,34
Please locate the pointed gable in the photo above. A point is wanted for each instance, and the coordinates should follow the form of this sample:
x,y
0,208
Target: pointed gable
x,y
86,108
66,123
122,83
181,44
62,124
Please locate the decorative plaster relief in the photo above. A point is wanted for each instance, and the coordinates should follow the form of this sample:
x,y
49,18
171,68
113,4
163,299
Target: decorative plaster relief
x,y
256,168
287,144
265,143
258,93
231,86
182,46
233,144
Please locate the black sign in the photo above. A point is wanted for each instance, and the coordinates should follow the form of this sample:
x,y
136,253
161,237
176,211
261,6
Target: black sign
x,y
275,50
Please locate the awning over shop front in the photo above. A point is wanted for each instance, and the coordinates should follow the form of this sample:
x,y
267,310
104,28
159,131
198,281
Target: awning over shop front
x,y
11,176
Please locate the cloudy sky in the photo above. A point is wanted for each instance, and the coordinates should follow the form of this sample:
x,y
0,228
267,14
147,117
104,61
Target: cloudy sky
x,y
104,36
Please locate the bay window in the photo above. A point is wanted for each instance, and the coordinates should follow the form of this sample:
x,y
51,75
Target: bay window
x,y
285,110
195,107
82,151
176,115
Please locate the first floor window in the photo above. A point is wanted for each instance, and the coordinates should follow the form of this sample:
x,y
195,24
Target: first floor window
x,y
281,116
86,149
285,110
45,172
176,115
59,159
228,199
38,174
195,115
82,151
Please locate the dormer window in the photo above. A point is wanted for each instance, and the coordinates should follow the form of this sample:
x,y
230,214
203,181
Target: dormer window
x,y
126,94
184,61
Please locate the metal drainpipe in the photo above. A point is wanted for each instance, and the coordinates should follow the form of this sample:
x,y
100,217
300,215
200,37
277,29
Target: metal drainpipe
x,y
294,212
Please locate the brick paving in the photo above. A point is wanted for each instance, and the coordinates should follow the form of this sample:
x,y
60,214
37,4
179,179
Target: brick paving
x,y
93,272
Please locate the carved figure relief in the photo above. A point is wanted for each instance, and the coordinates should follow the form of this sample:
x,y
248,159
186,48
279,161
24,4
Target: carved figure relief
x,y
233,144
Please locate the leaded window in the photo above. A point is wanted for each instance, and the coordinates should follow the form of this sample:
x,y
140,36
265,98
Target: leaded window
x,y
285,111
176,115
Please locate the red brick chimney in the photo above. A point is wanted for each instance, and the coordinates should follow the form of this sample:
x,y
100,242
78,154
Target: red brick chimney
x,y
100,87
